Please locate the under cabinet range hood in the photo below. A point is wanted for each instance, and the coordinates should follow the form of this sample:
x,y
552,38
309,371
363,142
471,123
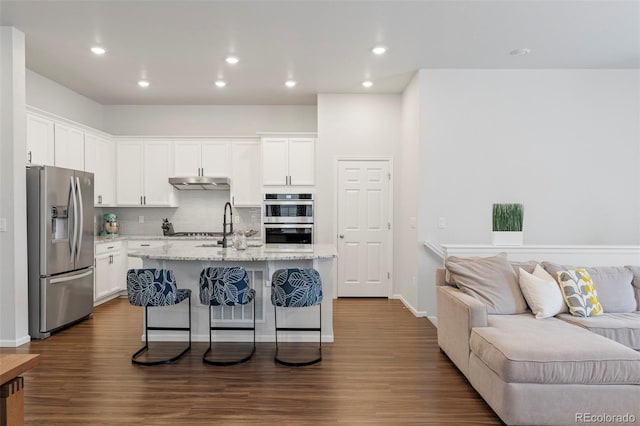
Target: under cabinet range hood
x,y
206,183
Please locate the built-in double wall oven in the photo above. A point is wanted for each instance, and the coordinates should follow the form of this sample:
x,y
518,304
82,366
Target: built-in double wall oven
x,y
288,218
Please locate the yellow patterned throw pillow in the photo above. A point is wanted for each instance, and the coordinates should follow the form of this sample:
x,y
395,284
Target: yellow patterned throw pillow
x,y
580,293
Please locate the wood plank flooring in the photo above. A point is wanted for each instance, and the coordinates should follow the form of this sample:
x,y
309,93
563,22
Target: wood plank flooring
x,y
383,368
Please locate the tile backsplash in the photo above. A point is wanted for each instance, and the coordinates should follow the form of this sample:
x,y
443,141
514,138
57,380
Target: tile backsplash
x,y
198,211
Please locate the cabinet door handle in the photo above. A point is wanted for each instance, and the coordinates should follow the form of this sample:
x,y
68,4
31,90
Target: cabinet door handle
x,y
110,259
145,200
145,245
233,200
29,157
141,200
110,247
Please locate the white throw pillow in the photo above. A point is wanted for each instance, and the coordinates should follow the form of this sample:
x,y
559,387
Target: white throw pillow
x,y
542,293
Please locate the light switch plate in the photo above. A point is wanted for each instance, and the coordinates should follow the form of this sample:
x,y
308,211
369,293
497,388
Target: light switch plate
x,y
442,222
3,224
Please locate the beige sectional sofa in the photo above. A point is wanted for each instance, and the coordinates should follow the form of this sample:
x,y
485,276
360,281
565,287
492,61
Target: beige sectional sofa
x,y
562,370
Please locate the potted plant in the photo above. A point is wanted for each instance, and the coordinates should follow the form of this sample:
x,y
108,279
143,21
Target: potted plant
x,y
507,224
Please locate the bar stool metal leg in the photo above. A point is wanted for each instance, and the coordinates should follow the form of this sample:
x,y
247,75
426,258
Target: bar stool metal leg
x,y
134,357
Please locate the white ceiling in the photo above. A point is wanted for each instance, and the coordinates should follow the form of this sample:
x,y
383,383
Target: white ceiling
x,y
180,46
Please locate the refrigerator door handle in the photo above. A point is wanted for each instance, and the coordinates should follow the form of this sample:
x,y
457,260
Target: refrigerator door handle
x,y
71,278
79,238
75,218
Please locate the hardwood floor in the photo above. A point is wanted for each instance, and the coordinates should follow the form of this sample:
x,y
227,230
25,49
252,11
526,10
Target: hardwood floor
x,y
384,367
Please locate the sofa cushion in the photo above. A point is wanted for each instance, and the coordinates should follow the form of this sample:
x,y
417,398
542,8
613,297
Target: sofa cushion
x,y
580,293
624,328
636,282
542,293
615,289
521,349
492,280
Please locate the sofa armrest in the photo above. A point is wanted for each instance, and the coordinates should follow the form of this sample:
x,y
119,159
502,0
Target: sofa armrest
x,y
458,313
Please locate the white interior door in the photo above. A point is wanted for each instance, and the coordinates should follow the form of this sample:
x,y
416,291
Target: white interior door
x,y
364,229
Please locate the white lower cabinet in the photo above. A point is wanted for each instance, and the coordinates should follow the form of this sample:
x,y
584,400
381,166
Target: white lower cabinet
x,y
110,276
134,245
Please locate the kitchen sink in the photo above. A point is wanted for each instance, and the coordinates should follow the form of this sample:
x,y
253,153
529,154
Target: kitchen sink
x,y
210,245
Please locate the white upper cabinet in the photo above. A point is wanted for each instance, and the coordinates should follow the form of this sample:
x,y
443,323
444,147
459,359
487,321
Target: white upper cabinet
x,y
100,159
157,168
40,145
201,158
246,174
288,161
143,171
69,147
302,161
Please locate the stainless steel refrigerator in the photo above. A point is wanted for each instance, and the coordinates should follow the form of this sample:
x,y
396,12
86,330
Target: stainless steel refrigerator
x,y
60,233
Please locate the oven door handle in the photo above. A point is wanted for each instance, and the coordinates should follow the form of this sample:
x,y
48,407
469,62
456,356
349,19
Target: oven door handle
x,y
288,203
288,226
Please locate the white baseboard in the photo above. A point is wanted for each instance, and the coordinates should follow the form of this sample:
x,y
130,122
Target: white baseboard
x,y
434,320
15,343
413,310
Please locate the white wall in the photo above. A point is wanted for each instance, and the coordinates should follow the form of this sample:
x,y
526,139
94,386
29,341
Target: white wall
x,y
350,126
52,97
406,188
14,323
207,120
565,143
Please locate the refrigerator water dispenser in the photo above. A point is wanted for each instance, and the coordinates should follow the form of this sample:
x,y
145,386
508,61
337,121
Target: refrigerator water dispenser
x,y
59,223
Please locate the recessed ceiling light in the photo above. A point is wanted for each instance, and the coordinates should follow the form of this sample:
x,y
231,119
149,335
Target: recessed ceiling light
x,y
367,83
143,83
379,50
520,52
98,50
290,83
232,60
220,83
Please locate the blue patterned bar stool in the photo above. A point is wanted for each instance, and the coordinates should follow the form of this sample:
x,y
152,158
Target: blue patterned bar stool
x,y
156,287
226,287
297,288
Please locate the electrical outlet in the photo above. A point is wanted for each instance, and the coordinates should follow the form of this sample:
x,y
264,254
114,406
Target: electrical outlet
x,y
140,219
3,224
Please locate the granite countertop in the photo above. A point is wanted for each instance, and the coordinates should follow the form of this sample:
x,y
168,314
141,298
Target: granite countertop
x,y
252,254
101,239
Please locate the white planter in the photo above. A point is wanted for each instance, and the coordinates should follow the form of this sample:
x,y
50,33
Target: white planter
x,y
507,238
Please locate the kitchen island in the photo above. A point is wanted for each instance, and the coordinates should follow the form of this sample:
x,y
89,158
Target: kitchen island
x,y
188,260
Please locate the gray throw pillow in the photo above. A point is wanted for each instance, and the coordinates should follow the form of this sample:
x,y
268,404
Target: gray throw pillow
x,y
492,280
613,284
636,282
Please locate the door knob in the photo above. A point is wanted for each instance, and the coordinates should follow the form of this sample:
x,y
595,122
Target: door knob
x,y
341,235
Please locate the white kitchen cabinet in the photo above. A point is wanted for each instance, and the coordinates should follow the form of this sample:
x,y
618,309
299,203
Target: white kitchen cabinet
x,y
100,159
135,245
110,276
40,143
201,158
246,174
288,161
69,147
143,171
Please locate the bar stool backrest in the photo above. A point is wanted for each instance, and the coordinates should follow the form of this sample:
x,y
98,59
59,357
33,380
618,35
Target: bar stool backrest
x,y
151,287
225,286
296,287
